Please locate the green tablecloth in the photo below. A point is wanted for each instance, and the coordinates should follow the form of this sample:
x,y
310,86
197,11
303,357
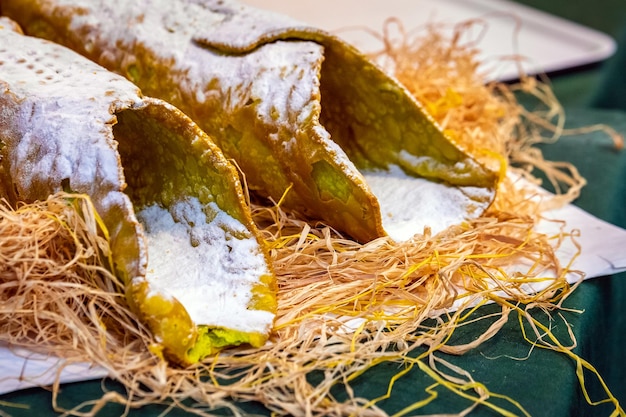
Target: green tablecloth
x,y
545,382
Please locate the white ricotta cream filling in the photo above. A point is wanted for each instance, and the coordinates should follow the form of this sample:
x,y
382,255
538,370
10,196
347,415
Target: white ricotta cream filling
x,y
409,204
209,265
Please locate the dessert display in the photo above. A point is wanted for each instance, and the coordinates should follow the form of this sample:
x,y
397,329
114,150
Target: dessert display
x,y
220,207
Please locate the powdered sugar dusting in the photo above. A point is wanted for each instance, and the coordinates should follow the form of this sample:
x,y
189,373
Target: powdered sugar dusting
x,y
409,204
276,85
209,265
56,112
65,103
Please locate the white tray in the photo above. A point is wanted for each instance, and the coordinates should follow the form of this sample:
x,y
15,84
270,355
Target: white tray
x,y
547,43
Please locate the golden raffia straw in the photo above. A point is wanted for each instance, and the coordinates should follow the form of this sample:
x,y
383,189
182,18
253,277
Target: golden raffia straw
x,y
343,307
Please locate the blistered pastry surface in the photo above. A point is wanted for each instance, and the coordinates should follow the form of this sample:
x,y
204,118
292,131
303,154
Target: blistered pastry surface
x,y
57,109
62,107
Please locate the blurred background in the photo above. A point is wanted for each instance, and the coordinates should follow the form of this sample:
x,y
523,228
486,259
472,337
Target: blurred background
x,y
602,85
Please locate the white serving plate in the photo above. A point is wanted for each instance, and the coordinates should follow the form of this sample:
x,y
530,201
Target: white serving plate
x,y
546,43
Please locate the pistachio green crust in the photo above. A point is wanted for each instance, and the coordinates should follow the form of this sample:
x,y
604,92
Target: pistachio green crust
x,y
378,123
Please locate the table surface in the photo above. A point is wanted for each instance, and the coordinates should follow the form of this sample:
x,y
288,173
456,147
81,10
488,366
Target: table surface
x,y
545,382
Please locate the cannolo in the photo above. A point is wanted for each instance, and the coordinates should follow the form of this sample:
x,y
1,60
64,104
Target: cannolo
x,y
310,120
183,243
